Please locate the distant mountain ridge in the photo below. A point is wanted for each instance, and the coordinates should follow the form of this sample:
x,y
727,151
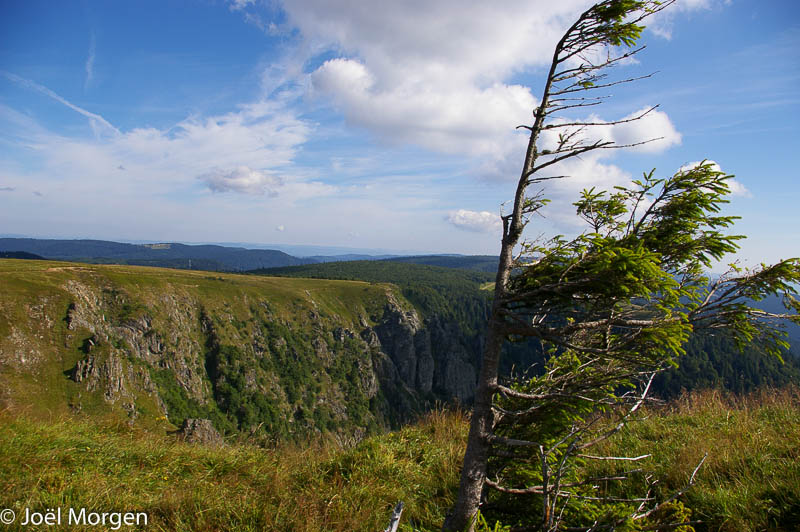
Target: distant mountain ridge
x,y
209,257
169,255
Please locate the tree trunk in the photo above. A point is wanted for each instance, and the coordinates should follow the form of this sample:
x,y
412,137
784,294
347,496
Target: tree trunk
x,y
473,471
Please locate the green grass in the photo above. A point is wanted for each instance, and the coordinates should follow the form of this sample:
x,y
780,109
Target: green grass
x,y
318,486
750,480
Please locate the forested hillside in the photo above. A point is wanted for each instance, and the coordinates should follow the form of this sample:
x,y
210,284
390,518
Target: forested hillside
x,y
710,360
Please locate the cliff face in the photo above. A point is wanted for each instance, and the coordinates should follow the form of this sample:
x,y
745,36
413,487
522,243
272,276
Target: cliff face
x,y
281,356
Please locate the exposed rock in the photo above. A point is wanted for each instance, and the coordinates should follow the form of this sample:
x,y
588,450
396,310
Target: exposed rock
x,y
200,431
83,369
369,336
321,349
429,357
369,381
456,371
340,333
396,333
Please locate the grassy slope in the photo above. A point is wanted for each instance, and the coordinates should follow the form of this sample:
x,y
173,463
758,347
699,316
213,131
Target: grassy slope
x,y
751,480
37,349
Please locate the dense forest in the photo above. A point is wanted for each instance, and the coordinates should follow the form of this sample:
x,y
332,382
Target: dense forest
x,y
459,292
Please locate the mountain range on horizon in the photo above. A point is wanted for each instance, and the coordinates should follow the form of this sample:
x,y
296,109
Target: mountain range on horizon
x,y
210,257
296,250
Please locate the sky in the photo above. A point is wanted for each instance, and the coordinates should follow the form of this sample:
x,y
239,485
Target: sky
x,y
370,125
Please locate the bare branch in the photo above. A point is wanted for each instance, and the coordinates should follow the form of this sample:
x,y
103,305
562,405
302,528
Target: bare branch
x,y
571,90
612,123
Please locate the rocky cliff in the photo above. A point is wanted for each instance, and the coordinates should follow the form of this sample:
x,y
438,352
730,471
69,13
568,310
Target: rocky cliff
x,y
270,356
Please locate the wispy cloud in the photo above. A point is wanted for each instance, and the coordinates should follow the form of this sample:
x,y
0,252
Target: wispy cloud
x,y
238,5
95,119
90,62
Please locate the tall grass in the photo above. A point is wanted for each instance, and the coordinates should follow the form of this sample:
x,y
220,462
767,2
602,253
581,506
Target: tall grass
x,y
750,480
182,487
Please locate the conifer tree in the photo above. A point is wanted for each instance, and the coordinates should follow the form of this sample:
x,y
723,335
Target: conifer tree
x,y
611,307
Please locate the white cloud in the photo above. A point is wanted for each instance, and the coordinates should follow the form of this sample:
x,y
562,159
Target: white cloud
x,y
242,180
433,74
479,222
242,151
644,125
736,187
436,75
694,164
450,42
463,120
655,126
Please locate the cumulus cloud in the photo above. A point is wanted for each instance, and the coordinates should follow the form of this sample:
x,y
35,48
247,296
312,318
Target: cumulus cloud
x,y
242,180
465,119
478,222
647,125
439,75
430,74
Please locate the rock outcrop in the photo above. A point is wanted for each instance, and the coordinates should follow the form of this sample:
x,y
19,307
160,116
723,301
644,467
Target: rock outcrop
x,y
428,357
200,431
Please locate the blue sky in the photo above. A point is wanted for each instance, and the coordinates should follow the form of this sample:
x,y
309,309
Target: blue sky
x,y
343,124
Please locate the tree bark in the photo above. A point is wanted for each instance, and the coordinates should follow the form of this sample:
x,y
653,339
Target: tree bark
x,y
473,471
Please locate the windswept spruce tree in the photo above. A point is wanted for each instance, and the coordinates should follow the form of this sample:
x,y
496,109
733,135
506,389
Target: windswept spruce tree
x,y
610,307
